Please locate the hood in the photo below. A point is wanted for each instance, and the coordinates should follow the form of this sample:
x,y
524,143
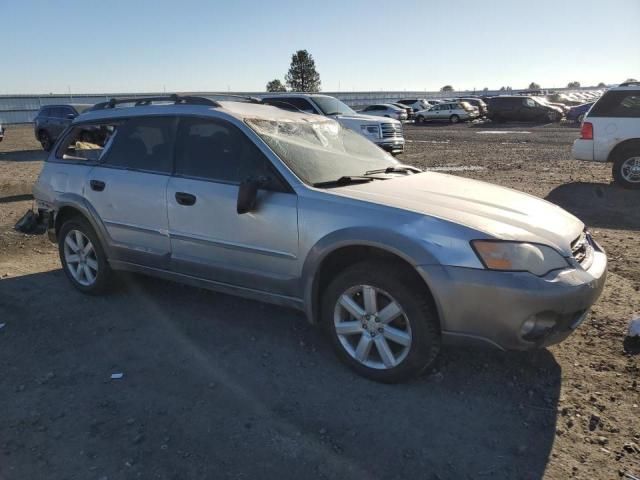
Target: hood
x,y
496,211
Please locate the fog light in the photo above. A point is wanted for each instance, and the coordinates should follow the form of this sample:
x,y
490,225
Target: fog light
x,y
528,326
538,326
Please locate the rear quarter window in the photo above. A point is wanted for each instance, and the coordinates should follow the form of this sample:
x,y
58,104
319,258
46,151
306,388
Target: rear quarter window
x,y
621,103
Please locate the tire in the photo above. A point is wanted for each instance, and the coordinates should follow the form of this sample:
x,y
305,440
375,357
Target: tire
x,y
419,119
412,337
553,117
580,119
45,140
626,167
454,118
94,260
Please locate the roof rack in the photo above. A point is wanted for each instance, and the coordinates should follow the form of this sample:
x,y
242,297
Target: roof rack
x,y
629,84
143,101
246,98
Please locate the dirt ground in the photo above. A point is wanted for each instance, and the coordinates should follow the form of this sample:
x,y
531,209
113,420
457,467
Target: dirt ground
x,y
220,387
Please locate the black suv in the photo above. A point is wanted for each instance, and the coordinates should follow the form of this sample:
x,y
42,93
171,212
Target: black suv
x,y
520,108
53,119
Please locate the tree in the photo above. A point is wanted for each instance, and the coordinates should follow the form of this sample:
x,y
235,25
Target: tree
x,y
502,89
276,85
302,76
447,88
534,86
602,85
573,85
629,80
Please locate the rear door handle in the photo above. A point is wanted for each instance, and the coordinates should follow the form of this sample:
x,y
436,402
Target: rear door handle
x,y
185,198
97,185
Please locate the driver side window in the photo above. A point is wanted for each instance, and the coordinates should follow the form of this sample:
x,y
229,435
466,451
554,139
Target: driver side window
x,y
217,151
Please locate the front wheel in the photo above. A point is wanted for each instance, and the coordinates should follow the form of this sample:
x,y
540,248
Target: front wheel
x,y
82,257
419,119
381,325
454,118
626,169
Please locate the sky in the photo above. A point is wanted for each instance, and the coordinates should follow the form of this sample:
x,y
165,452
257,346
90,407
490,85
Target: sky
x,y
91,46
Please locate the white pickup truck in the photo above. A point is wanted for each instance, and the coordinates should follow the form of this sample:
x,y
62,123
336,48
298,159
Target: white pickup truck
x,y
611,133
385,132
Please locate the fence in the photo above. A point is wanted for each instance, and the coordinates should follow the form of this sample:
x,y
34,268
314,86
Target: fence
x,y
23,108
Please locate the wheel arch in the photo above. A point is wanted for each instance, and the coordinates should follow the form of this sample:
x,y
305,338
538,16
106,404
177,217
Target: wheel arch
x,y
329,257
72,205
630,142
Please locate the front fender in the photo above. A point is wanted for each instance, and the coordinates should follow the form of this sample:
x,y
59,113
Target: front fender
x,y
409,249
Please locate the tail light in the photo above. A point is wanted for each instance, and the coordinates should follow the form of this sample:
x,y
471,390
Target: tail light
x,y
586,132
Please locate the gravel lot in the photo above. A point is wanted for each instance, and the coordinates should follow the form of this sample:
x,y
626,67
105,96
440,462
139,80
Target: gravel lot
x,y
220,387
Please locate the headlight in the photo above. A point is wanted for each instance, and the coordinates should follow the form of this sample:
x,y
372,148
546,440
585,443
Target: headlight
x,y
518,257
371,131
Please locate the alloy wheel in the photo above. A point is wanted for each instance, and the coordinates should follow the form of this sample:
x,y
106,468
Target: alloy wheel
x,y
630,170
80,257
372,327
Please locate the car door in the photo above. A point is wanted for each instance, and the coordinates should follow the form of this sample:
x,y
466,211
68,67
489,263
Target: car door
x,y
257,250
526,109
128,187
55,122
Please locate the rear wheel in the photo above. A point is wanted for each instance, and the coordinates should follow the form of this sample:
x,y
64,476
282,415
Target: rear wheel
x,y
82,257
626,168
381,325
45,140
419,119
454,118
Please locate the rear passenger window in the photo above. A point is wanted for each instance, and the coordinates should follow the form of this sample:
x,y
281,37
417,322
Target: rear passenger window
x,y
87,142
218,151
143,144
620,103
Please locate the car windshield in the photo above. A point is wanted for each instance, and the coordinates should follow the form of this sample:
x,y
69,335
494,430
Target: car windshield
x,y
321,151
332,106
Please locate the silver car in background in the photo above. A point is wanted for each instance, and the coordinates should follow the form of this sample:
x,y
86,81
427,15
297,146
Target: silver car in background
x,y
452,112
297,210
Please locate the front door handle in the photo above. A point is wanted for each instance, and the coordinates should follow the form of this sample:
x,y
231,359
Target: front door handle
x,y
185,198
97,185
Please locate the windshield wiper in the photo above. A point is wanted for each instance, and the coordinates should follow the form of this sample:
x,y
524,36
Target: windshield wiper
x,y
344,180
403,168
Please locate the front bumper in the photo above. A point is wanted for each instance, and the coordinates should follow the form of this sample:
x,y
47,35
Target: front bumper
x,y
393,146
490,307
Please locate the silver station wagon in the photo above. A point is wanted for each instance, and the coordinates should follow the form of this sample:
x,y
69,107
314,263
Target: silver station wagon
x,y
294,209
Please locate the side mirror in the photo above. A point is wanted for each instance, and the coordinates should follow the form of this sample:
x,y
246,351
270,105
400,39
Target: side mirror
x,y
248,193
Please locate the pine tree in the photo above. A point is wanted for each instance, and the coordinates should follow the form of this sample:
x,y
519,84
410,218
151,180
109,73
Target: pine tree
x,y
302,76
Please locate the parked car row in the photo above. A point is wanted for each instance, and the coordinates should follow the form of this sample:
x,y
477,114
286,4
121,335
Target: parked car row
x,y
536,106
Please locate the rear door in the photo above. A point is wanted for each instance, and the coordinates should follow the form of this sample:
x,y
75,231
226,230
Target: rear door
x,y
209,239
128,189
